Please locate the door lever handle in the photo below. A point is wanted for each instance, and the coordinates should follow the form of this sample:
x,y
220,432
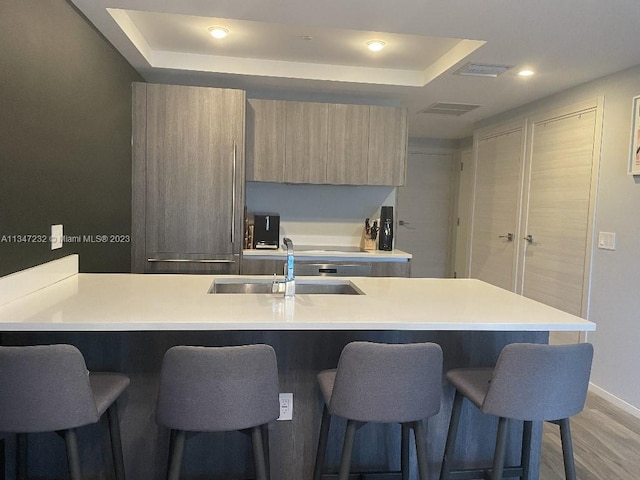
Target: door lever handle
x,y
508,236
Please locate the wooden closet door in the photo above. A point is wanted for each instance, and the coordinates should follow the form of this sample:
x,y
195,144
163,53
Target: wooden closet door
x,y
497,209
560,182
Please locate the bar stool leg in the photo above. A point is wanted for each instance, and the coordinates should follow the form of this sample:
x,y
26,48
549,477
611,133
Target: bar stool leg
x,y
347,449
73,454
264,429
21,456
421,450
258,454
567,449
501,449
322,443
527,432
175,457
456,409
116,442
404,451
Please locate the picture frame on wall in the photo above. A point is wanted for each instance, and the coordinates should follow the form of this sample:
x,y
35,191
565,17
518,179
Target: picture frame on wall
x,y
634,160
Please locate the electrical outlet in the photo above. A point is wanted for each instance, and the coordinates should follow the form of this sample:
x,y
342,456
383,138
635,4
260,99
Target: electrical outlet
x,y
56,237
286,406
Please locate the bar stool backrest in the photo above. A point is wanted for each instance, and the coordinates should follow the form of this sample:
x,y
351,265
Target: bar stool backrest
x,y
218,388
388,383
44,388
539,382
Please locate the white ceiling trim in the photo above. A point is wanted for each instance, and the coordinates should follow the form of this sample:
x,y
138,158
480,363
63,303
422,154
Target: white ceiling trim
x,y
285,69
129,28
458,53
289,69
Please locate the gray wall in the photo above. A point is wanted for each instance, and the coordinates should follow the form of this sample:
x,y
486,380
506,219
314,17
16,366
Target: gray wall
x,y
65,127
615,302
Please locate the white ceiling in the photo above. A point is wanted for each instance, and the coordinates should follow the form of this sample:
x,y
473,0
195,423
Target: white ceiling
x,y
567,42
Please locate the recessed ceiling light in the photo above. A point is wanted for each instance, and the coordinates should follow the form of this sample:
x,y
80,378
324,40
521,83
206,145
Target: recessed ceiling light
x,y
375,45
218,32
526,73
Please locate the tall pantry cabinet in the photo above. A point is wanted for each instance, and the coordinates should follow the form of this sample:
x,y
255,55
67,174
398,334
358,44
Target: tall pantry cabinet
x,y
188,179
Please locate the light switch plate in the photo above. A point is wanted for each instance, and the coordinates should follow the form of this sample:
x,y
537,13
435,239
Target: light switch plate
x,y
606,241
56,237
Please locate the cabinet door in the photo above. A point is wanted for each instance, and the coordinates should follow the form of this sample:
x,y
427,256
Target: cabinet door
x,y
306,142
251,266
387,146
348,144
194,172
266,120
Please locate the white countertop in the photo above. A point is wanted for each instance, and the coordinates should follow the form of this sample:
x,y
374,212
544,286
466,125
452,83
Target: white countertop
x,y
130,302
332,255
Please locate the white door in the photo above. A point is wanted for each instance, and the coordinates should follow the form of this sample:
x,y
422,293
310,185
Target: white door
x,y
463,221
424,213
497,208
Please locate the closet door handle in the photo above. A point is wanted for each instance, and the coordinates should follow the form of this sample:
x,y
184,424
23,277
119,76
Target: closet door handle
x,y
508,236
529,239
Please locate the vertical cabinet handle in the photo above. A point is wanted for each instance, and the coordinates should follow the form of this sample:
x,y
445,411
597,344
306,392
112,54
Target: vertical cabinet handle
x,y
508,236
233,195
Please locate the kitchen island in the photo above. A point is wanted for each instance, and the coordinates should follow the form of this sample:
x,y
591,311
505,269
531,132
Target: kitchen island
x,y
125,323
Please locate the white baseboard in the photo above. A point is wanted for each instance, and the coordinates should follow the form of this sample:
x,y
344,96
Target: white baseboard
x,y
621,404
27,281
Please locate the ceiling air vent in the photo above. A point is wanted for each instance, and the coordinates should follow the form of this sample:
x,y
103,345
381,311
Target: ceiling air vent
x,y
480,70
455,109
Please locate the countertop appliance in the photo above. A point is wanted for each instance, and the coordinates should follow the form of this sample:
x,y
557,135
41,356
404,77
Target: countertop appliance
x,y
385,237
266,231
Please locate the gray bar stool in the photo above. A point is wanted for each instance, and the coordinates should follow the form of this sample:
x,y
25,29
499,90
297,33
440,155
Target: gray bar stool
x,y
530,382
386,384
215,389
47,388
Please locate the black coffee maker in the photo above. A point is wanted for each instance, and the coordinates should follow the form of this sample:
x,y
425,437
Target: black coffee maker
x,y
385,239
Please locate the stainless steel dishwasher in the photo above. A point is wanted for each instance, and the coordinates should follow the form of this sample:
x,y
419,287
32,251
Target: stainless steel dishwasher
x,y
333,269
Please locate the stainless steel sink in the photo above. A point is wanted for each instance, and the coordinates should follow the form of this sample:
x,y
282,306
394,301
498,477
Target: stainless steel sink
x,y
303,287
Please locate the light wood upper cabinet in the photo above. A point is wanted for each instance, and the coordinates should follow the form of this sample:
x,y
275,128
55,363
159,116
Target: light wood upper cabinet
x,y
322,143
266,140
348,144
387,146
306,142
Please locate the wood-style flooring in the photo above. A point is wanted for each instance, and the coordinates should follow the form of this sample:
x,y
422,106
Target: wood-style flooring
x,y
606,444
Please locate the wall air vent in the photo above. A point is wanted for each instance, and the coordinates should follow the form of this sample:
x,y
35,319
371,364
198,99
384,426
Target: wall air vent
x,y
455,109
480,70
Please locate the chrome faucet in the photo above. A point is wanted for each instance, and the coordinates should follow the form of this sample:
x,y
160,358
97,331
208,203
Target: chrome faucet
x,y
288,285
289,276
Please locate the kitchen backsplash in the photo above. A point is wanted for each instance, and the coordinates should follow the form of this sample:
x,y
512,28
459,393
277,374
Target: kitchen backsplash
x,y
319,214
